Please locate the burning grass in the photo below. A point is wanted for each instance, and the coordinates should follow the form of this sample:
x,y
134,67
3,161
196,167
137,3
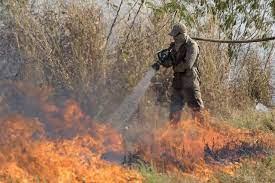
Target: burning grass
x,y
26,154
202,151
46,141
55,143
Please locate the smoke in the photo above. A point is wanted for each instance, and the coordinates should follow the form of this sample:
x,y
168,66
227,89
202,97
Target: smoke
x,y
130,103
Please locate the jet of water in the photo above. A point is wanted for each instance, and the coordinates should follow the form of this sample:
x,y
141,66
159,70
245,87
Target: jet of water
x,y
130,103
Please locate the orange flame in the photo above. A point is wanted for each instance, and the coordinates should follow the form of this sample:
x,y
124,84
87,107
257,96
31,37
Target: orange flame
x,y
26,158
60,143
187,147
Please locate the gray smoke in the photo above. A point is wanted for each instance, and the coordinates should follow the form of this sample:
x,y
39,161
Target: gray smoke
x,y
130,104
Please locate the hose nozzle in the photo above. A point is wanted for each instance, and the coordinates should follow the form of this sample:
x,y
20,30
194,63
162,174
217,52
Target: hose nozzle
x,y
156,66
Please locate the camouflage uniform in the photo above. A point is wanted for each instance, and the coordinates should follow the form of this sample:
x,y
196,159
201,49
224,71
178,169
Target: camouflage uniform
x,y
186,86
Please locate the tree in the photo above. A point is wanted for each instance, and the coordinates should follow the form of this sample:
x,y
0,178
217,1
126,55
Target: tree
x,y
237,19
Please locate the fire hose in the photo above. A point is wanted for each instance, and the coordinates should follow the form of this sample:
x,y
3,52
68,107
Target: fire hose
x,y
235,41
130,103
164,54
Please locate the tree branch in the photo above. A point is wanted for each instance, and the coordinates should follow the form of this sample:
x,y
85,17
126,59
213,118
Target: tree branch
x,y
133,22
114,22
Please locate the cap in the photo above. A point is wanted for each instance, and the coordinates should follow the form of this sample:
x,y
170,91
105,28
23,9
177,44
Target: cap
x,y
178,29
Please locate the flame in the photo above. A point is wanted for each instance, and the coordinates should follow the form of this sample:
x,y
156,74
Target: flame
x,y
201,150
26,156
41,140
57,143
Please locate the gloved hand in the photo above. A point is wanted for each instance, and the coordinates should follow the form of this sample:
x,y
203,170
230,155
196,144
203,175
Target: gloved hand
x,y
156,66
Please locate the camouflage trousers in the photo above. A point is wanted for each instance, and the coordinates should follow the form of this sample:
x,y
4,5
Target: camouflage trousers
x,y
186,90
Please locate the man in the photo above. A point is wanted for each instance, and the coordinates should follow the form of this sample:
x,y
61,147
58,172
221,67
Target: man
x,y
186,87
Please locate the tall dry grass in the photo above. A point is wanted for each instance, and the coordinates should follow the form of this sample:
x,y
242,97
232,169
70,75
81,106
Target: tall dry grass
x,y
223,90
63,46
228,86
66,48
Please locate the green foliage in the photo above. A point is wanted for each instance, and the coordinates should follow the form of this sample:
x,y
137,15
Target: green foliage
x,y
252,119
259,171
257,81
237,19
250,15
152,176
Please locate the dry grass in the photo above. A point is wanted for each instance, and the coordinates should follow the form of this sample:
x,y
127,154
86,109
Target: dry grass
x,y
65,48
259,171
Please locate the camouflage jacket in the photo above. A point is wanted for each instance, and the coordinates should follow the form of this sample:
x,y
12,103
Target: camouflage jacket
x,y
185,59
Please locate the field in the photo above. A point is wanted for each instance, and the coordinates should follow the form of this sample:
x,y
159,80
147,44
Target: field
x,y
66,68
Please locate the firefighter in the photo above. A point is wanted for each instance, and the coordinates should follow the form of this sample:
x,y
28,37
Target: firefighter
x,y
183,58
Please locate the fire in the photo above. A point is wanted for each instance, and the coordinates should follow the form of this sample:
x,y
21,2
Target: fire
x,y
202,150
57,143
41,140
26,154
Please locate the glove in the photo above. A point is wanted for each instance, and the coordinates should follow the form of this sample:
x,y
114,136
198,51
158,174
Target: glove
x,y
172,44
156,66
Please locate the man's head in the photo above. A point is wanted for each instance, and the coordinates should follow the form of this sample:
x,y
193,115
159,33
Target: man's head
x,y
178,29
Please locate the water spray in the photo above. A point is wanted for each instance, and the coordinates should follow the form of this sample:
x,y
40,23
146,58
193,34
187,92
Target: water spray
x,y
130,103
